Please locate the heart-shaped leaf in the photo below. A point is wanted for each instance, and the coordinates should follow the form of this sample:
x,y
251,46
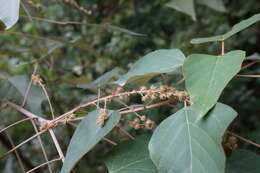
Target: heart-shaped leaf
x,y
207,75
131,156
242,161
9,13
86,136
235,29
184,144
184,6
157,62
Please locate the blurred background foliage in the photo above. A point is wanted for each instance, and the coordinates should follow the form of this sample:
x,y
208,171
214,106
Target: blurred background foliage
x,y
115,34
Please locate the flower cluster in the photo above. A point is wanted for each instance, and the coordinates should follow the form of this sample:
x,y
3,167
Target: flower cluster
x,y
142,122
164,92
37,80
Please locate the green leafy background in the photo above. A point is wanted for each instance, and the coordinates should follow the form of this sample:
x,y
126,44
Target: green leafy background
x,y
117,34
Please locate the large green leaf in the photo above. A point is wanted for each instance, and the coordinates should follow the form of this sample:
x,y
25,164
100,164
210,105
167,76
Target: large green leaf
x,y
235,29
9,13
243,161
102,80
214,4
86,136
206,76
157,62
131,157
14,89
185,6
183,144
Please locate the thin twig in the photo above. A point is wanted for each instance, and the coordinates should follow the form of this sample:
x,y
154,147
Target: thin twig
x,y
16,153
15,123
109,141
125,132
57,145
29,86
42,147
60,22
243,139
48,98
254,76
41,165
249,64
25,112
22,143
222,47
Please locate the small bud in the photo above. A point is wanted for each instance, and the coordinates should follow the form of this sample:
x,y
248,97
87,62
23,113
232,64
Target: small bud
x,y
137,126
149,124
143,118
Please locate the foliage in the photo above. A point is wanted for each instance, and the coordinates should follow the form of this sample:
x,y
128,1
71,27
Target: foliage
x,y
162,115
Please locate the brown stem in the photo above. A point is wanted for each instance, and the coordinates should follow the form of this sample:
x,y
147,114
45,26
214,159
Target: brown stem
x,y
243,139
222,48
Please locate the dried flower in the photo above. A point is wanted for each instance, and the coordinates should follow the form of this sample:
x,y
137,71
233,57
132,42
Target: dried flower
x,y
102,117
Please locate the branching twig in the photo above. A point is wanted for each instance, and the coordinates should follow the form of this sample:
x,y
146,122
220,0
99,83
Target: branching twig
x,y
15,123
16,153
243,139
42,147
22,143
57,145
41,165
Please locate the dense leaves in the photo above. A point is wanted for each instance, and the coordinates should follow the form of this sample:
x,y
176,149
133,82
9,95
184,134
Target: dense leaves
x,y
184,144
131,157
86,136
207,75
157,62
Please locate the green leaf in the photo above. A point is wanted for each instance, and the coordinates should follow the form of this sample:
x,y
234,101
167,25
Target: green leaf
x,y
184,6
214,4
102,80
157,62
14,89
131,157
207,75
235,29
9,13
183,144
86,136
254,56
242,161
